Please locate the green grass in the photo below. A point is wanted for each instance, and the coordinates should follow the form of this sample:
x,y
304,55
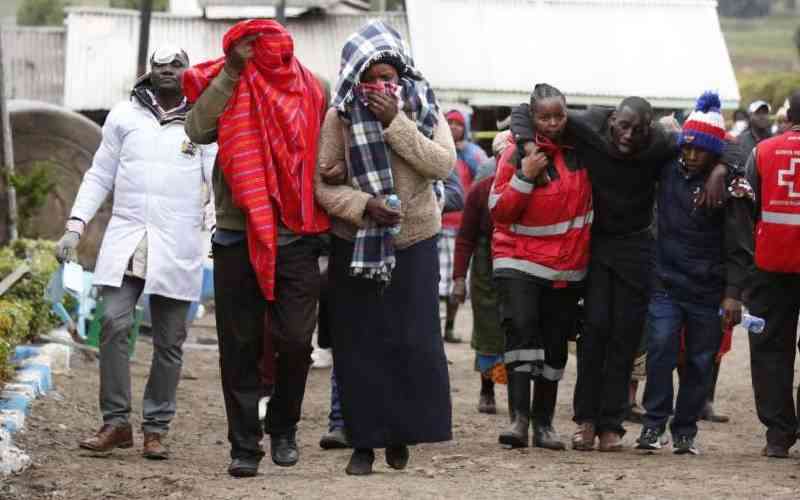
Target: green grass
x,y
762,45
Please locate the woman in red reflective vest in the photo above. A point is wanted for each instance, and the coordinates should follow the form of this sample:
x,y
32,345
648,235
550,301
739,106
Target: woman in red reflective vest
x,y
541,204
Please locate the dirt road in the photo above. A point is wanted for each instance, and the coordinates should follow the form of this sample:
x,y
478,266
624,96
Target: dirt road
x,y
471,466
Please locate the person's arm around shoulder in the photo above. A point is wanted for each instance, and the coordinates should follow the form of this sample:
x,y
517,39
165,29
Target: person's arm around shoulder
x,y
340,200
432,158
97,183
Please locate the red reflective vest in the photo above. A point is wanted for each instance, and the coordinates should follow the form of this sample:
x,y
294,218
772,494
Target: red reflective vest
x,y
542,231
778,230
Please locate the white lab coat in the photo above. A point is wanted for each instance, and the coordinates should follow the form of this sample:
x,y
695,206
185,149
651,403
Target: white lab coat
x,y
157,177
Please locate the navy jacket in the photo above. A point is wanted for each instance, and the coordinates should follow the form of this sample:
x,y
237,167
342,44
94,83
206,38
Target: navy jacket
x,y
702,255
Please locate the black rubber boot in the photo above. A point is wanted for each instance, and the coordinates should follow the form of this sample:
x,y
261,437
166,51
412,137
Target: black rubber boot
x,y
545,394
517,435
708,411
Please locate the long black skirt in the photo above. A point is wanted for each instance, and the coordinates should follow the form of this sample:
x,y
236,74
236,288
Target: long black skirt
x,y
387,349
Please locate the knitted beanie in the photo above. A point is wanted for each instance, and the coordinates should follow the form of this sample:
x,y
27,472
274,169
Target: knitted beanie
x,y
705,127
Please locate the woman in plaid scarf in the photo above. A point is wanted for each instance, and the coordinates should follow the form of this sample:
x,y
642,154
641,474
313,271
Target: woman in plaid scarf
x,y
385,140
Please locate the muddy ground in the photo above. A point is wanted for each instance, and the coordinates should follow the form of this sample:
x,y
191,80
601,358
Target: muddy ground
x,y
473,465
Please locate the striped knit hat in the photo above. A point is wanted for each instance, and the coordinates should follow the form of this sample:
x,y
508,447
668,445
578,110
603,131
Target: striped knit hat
x,y
705,127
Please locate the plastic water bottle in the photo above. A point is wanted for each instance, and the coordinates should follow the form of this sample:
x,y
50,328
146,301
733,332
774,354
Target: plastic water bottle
x,y
753,324
393,202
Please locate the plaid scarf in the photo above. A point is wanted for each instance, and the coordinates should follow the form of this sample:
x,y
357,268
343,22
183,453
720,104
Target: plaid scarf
x,y
268,137
370,163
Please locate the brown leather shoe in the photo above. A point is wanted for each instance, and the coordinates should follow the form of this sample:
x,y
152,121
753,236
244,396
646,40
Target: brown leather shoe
x,y
109,437
610,441
584,436
153,448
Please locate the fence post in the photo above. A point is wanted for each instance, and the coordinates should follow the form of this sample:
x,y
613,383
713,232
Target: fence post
x,y
7,145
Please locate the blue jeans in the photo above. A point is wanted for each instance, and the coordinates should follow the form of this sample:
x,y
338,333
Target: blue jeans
x,y
335,417
666,317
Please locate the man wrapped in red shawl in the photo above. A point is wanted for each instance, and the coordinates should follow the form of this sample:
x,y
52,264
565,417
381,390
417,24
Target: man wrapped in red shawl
x,y
265,110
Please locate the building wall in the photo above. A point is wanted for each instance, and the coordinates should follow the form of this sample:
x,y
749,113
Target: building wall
x,y
102,48
34,63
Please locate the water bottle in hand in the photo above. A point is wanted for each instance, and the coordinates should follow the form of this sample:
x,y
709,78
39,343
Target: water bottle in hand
x,y
753,324
393,202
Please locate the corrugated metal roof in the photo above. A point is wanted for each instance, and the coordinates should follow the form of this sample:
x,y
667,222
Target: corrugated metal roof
x,y
34,63
492,52
102,49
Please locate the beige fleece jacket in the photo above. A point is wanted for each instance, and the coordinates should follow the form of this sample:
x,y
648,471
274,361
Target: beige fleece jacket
x,y
417,162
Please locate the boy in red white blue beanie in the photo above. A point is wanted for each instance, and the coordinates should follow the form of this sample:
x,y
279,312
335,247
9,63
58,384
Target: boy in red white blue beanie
x,y
705,127
702,257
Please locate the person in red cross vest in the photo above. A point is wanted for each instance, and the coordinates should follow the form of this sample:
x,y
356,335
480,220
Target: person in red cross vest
x,y
773,170
541,205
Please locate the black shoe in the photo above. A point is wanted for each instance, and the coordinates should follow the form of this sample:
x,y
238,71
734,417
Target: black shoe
x,y
775,451
360,462
283,448
683,445
243,467
335,439
651,438
545,436
397,457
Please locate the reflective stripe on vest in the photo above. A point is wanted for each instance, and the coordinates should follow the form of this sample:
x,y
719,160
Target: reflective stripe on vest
x,y
539,270
554,229
780,218
493,199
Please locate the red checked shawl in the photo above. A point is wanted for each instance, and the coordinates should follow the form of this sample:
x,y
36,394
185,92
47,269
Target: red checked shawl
x,y
268,137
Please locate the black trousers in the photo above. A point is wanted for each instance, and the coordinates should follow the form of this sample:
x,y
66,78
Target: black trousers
x,y
537,320
776,298
615,313
242,313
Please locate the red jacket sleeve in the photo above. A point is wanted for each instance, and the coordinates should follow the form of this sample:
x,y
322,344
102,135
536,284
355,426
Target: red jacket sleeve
x,y
510,192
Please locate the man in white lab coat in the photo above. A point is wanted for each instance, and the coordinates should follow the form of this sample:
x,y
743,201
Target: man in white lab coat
x,y
152,245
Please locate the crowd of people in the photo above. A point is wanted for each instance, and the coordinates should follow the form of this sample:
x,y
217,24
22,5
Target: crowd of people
x,y
637,237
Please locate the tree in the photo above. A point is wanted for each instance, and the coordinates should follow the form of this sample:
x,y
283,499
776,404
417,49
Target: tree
x,y
745,8
41,13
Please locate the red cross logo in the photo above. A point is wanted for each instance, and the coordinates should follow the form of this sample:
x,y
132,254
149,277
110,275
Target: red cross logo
x,y
788,178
